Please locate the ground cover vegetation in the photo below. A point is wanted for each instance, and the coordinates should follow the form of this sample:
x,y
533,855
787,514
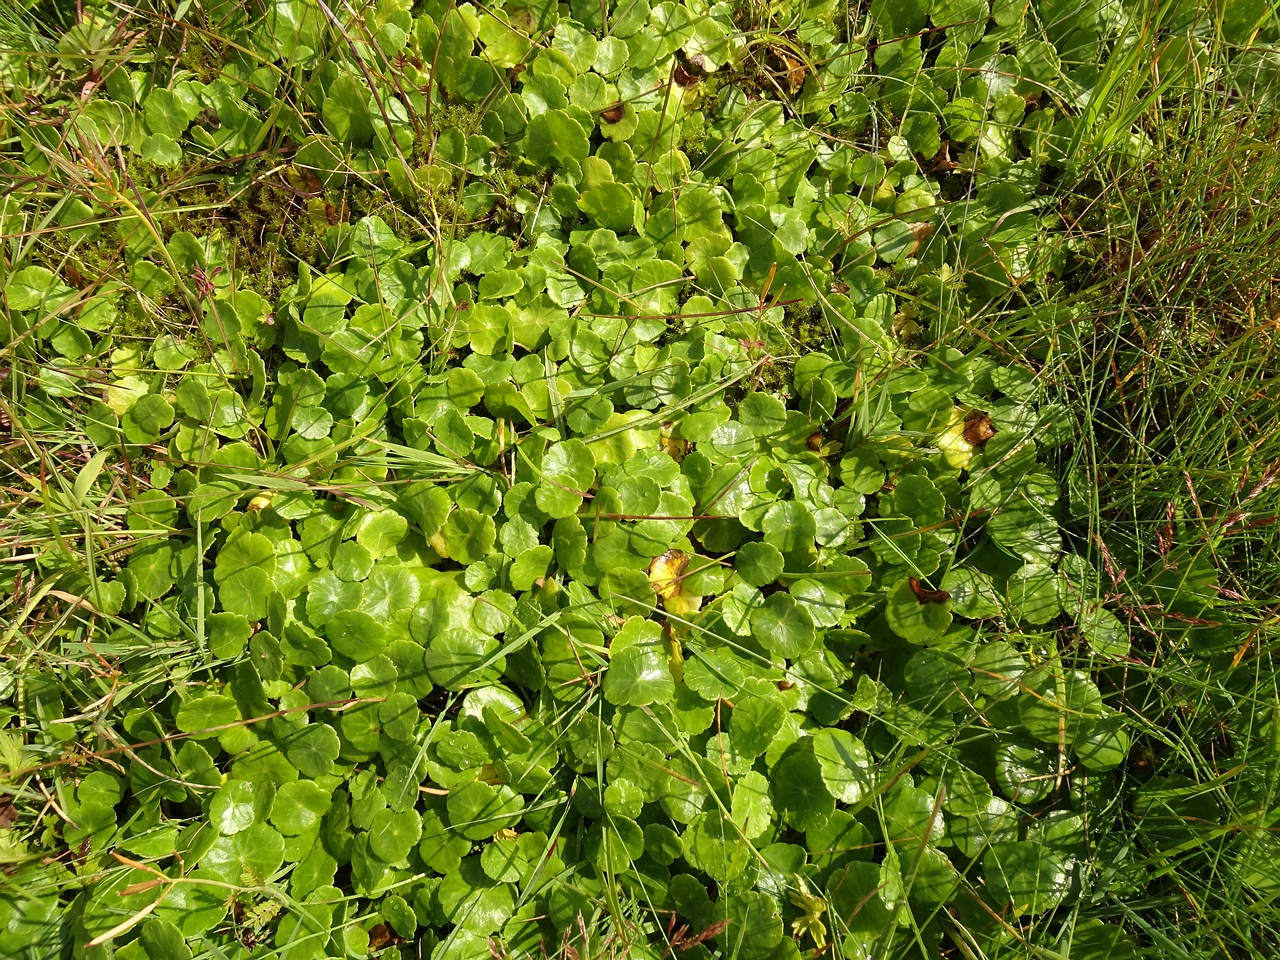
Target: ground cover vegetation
x,y
762,479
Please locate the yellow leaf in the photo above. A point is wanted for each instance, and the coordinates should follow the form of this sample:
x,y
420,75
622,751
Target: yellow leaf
x,y
666,572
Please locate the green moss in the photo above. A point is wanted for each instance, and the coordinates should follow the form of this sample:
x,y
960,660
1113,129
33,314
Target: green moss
x,y
806,329
262,224
442,205
775,348
505,217
203,53
85,262
774,376
693,131
466,118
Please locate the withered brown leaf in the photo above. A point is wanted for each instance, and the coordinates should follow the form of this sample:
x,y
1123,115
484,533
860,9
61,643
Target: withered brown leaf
x,y
925,594
942,162
682,75
978,428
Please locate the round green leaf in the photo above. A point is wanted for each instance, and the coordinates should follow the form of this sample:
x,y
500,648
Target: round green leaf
x,y
327,595
250,856
165,114
789,526
352,561
469,535
752,808
916,497
614,844
799,791
1026,875
504,860
362,726
149,564
762,414
314,749
783,627
555,135
375,677
425,504
915,618
935,880
228,634
399,715
568,471
530,565
393,835
478,811
1060,708
997,669
637,676
911,813
1105,745
163,940
355,634
1024,525
233,807
855,897
355,940
243,552
455,657
246,593
972,593
312,423
963,119
758,563
299,807
847,768
380,530
714,845
823,604
1105,633
611,205
1024,773
1033,594
345,110
198,717
474,902
920,130
27,289
754,723
143,421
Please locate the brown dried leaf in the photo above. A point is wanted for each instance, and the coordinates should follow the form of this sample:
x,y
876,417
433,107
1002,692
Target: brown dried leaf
x,y
978,428
926,595
381,936
682,76
942,162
